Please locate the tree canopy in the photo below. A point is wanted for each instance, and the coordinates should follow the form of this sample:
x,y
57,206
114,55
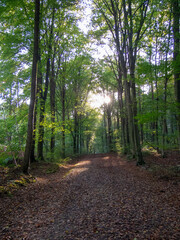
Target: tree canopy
x,y
49,70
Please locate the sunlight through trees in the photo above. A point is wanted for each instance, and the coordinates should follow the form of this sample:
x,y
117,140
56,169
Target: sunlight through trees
x,y
82,77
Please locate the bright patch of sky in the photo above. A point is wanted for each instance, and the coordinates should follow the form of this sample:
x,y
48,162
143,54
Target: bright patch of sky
x,y
98,99
99,49
85,14
145,88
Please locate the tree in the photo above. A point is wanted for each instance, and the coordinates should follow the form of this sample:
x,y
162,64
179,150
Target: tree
x,y
176,14
139,74
43,93
33,88
127,23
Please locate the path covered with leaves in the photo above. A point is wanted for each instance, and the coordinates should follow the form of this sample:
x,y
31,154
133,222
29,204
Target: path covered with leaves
x,y
102,197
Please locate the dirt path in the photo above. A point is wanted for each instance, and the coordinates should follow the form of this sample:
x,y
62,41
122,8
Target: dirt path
x,y
103,197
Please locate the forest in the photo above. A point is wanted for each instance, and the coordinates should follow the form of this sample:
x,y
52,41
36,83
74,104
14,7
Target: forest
x,y
89,119
57,56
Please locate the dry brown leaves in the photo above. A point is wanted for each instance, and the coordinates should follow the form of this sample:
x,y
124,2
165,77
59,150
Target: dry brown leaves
x,y
102,197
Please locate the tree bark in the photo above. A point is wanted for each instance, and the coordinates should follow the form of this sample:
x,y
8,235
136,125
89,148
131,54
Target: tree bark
x,y
109,122
176,14
52,103
63,117
27,154
43,95
42,112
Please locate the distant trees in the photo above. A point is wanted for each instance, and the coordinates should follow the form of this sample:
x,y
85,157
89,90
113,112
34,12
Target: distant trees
x,y
127,23
46,66
60,79
142,40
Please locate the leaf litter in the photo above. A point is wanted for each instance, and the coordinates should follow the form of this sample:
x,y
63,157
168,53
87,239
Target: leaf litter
x,y
103,197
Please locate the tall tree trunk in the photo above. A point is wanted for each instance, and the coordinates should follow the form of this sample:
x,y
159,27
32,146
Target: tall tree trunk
x,y
176,16
39,83
164,121
105,142
33,159
75,130
33,89
139,156
152,124
157,99
43,95
63,117
42,113
130,118
140,111
109,122
122,115
52,103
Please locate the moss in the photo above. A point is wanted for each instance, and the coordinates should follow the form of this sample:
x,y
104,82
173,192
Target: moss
x,y
13,185
52,169
20,182
66,174
165,172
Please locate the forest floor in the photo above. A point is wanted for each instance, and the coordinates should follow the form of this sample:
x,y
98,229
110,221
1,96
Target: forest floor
x,y
101,197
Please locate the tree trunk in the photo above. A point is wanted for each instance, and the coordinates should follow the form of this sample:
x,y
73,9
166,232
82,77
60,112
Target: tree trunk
x,y
140,111
44,94
157,100
75,130
52,103
109,122
33,89
176,14
42,113
130,118
105,142
164,122
33,159
63,117
122,115
139,156
39,83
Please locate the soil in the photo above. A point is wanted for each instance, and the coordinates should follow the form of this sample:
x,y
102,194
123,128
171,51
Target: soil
x,y
101,197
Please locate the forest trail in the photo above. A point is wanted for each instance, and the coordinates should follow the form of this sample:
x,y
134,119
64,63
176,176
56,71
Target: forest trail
x,y
102,197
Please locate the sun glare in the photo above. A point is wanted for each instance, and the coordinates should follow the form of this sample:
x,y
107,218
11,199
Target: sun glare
x,y
107,99
97,100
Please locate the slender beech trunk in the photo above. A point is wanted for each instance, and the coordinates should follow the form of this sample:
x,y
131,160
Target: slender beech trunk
x,y
33,89
109,123
157,100
63,117
105,143
152,124
39,83
176,16
44,95
76,122
124,140
80,135
139,156
164,121
52,103
42,112
130,118
140,111
75,131
33,159
52,99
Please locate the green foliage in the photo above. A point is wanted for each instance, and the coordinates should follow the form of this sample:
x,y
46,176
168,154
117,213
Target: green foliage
x,y
52,169
76,74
